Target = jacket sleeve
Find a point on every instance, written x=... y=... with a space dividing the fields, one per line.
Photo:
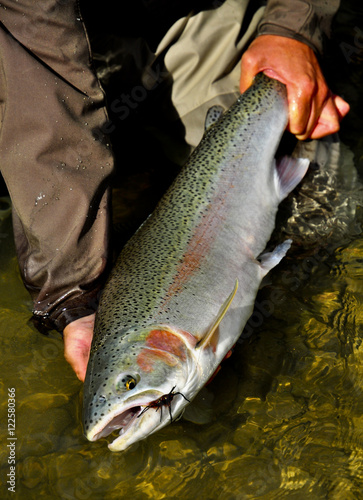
x=306 y=21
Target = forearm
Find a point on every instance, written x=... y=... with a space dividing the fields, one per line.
x=306 y=21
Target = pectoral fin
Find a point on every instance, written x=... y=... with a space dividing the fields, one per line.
x=211 y=337
x=289 y=172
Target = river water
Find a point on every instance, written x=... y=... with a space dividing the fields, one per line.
x=285 y=411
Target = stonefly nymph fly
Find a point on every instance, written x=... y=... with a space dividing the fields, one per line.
x=164 y=400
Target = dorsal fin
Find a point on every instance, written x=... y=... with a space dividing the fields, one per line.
x=213 y=115
x=211 y=337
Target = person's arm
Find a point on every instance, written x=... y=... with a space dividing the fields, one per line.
x=307 y=21
x=290 y=36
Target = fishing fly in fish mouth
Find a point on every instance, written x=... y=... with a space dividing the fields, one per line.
x=164 y=400
x=169 y=314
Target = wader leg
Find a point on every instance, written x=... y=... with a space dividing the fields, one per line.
x=54 y=156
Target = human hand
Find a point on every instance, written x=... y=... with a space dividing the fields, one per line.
x=314 y=111
x=77 y=338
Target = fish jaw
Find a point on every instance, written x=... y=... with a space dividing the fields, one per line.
x=149 y=423
x=127 y=419
x=146 y=422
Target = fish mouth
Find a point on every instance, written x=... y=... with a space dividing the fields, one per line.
x=120 y=422
x=122 y=419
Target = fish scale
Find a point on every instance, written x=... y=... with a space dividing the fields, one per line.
x=184 y=285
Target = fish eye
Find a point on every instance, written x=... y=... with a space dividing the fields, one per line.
x=127 y=382
x=130 y=383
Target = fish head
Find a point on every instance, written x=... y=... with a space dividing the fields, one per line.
x=134 y=384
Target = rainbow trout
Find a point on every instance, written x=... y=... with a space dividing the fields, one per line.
x=185 y=284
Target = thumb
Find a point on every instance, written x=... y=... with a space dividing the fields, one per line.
x=245 y=81
x=249 y=69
